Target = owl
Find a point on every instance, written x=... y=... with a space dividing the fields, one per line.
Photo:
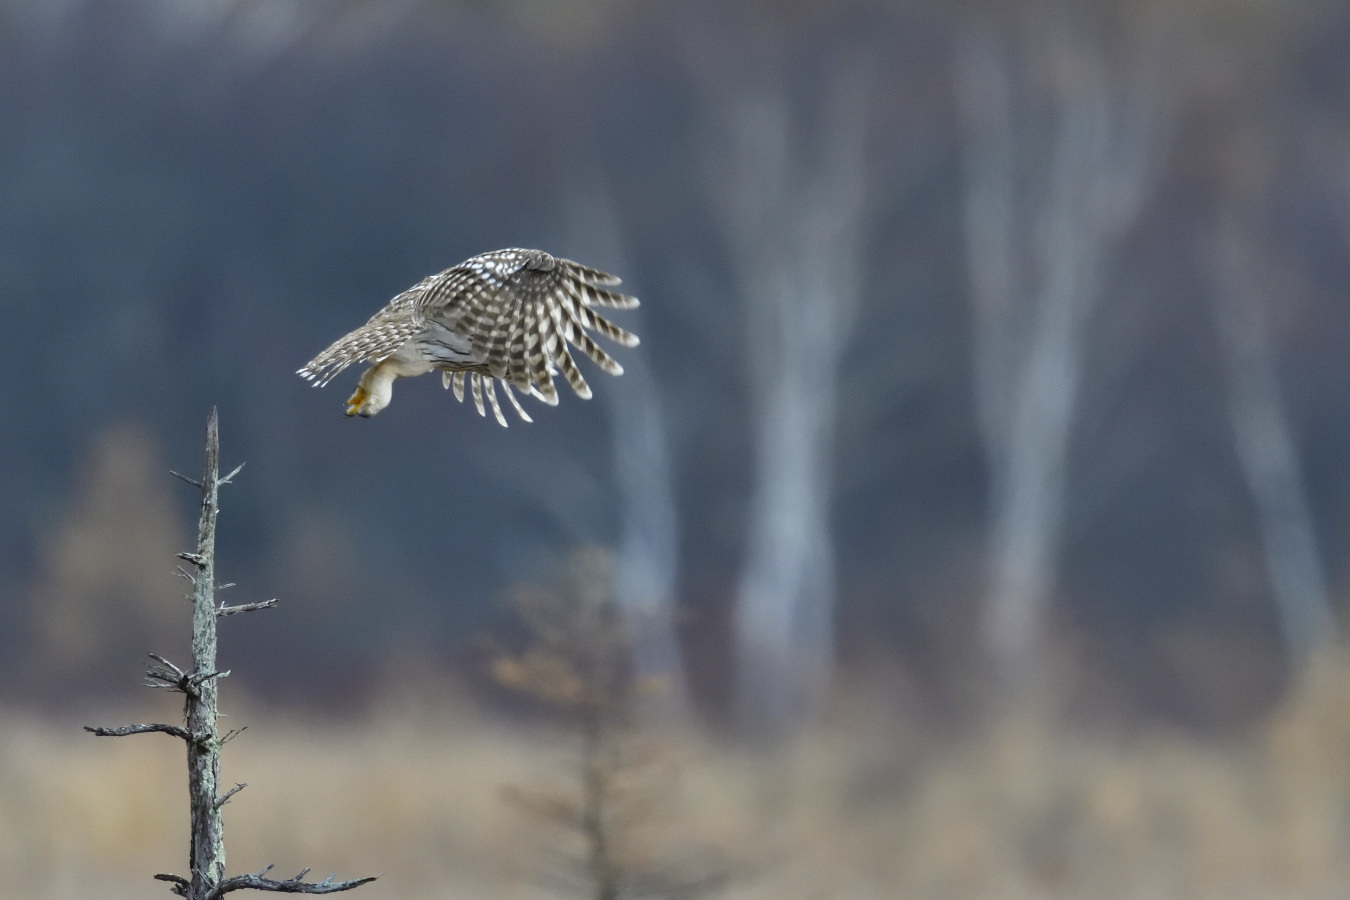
x=507 y=316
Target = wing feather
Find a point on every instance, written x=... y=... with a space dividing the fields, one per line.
x=511 y=395
x=616 y=334
x=563 y=358
x=491 y=391
x=595 y=296
x=597 y=354
x=517 y=362
x=476 y=383
x=549 y=342
x=589 y=274
x=369 y=343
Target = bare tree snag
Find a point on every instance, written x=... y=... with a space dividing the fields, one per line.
x=199 y=686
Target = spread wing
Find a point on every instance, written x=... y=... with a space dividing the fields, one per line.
x=390 y=328
x=521 y=310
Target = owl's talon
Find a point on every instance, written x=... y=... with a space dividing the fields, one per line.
x=357 y=401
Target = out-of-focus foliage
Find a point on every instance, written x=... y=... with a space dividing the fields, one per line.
x=615 y=804
x=863 y=806
x=103 y=583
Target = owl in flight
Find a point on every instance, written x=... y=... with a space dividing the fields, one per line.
x=506 y=316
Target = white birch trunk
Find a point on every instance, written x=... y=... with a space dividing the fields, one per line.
x=1266 y=448
x=647 y=567
x=648 y=562
x=792 y=211
x=1039 y=228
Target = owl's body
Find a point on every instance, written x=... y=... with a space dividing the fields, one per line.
x=506 y=316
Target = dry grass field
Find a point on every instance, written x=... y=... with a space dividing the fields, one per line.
x=863 y=807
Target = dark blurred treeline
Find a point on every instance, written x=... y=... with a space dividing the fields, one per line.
x=196 y=197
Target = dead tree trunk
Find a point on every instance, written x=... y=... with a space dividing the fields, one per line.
x=207 y=854
x=201 y=734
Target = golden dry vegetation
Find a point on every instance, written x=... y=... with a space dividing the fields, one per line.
x=863 y=806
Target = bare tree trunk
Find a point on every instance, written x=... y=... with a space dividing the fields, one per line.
x=1038 y=236
x=792 y=209
x=1266 y=447
x=201 y=734
x=203 y=754
x=596 y=773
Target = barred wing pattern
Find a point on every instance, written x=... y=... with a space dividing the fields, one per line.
x=508 y=316
x=388 y=330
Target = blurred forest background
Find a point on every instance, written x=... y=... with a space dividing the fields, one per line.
x=983 y=465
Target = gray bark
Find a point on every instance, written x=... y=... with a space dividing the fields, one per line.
x=201 y=734
x=207 y=855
